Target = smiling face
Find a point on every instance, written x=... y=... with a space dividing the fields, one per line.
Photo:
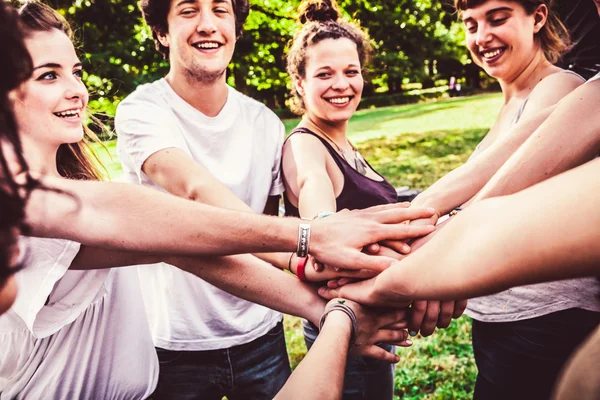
x=501 y=36
x=49 y=107
x=201 y=38
x=332 y=86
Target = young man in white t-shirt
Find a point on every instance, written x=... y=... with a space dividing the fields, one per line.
x=192 y=135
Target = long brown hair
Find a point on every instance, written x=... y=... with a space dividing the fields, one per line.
x=73 y=160
x=554 y=37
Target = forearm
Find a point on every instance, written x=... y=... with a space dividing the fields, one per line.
x=243 y=276
x=461 y=184
x=253 y=280
x=569 y=138
x=532 y=236
x=130 y=217
x=321 y=374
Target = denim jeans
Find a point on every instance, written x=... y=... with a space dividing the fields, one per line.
x=255 y=370
x=365 y=378
x=522 y=359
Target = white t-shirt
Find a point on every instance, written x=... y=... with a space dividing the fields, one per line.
x=75 y=334
x=241 y=147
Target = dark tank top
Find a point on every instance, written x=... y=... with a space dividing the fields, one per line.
x=359 y=191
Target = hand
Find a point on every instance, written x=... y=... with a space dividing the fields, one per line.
x=378 y=326
x=338 y=240
x=327 y=273
x=427 y=315
x=366 y=292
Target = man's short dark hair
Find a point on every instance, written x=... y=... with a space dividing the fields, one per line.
x=155 y=14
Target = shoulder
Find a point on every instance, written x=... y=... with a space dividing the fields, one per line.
x=304 y=145
x=255 y=110
x=144 y=95
x=556 y=85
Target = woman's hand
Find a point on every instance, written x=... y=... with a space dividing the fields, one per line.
x=378 y=326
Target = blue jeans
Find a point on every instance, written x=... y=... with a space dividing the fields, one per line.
x=255 y=370
x=522 y=359
x=365 y=378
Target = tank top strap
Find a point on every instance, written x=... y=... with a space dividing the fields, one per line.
x=343 y=166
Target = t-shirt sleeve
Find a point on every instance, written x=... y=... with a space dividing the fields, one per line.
x=144 y=127
x=277 y=186
x=50 y=296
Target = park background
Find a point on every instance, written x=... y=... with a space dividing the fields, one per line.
x=409 y=128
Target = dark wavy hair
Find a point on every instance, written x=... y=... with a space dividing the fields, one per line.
x=15 y=69
x=321 y=20
x=155 y=14
x=554 y=36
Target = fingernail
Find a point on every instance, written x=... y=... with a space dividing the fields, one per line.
x=409 y=342
x=412 y=333
x=406 y=248
x=396 y=359
x=431 y=209
x=321 y=290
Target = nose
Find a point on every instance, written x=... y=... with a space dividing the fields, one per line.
x=206 y=23
x=75 y=89
x=340 y=82
x=483 y=35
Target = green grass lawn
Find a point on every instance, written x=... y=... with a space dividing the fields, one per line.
x=411 y=145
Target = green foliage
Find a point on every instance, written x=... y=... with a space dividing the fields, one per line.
x=414 y=42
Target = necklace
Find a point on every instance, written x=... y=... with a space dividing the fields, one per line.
x=358 y=162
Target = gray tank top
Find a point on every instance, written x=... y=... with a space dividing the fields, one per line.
x=531 y=301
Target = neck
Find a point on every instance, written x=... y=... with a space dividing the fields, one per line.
x=521 y=85
x=40 y=159
x=207 y=97
x=335 y=131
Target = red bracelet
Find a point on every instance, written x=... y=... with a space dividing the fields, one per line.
x=300 y=269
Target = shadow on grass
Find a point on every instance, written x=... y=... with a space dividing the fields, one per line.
x=420 y=159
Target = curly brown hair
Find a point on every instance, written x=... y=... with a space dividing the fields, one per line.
x=155 y=14
x=321 y=20
x=554 y=36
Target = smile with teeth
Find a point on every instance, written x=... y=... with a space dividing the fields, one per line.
x=207 y=45
x=489 y=54
x=68 y=113
x=339 y=100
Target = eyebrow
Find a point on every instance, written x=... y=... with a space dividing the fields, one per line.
x=182 y=2
x=492 y=11
x=54 y=65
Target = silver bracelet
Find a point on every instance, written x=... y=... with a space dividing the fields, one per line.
x=339 y=305
x=303 y=240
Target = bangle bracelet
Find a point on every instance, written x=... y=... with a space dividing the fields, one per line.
x=339 y=305
x=290 y=262
x=303 y=240
x=323 y=214
x=300 y=269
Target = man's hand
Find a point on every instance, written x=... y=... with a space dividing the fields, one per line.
x=338 y=240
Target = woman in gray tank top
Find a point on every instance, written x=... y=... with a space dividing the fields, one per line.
x=521 y=337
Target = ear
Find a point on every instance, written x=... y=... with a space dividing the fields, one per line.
x=162 y=38
x=540 y=17
x=298 y=83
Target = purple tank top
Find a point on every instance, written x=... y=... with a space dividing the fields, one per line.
x=358 y=192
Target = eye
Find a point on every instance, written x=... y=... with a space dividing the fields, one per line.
x=471 y=28
x=323 y=75
x=498 y=21
x=78 y=73
x=47 y=76
x=186 y=12
x=221 y=10
x=352 y=72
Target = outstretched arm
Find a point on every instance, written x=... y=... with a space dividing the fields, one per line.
x=547 y=232
x=568 y=138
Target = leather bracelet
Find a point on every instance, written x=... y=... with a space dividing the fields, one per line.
x=300 y=269
x=303 y=240
x=339 y=305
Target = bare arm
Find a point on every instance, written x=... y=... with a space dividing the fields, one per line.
x=460 y=185
x=243 y=276
x=569 y=137
x=179 y=174
x=538 y=234
x=129 y=217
